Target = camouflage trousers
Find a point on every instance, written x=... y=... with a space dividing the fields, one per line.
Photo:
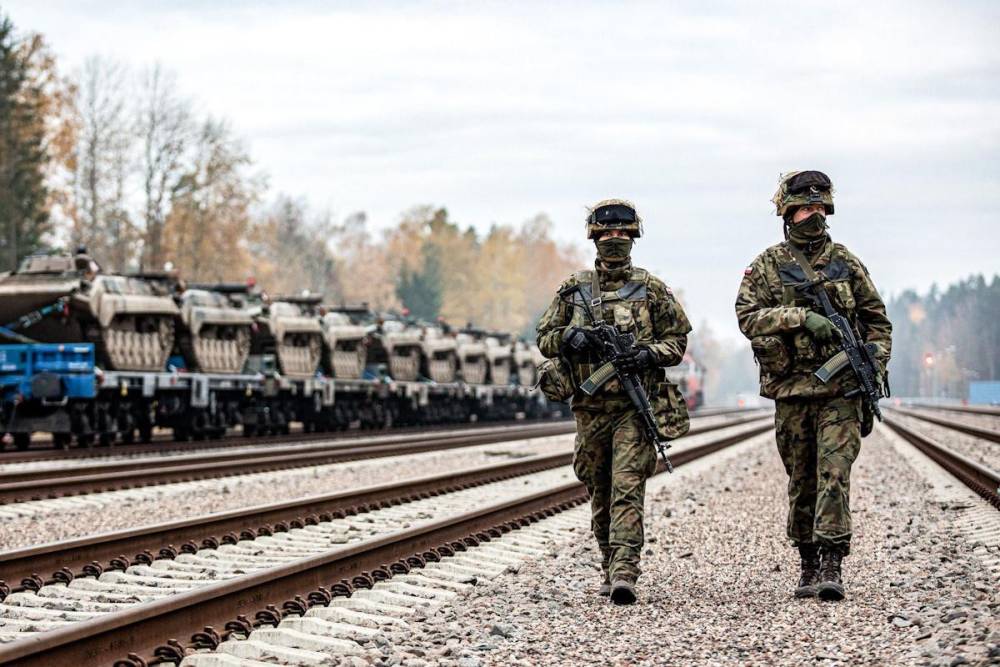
x=613 y=460
x=819 y=439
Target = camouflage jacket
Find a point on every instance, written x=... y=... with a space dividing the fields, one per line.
x=769 y=305
x=632 y=298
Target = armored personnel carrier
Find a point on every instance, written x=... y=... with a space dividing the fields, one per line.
x=345 y=340
x=289 y=331
x=527 y=358
x=398 y=346
x=473 y=365
x=214 y=333
x=440 y=353
x=66 y=299
x=499 y=357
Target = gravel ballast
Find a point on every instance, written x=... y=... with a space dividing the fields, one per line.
x=718 y=580
x=979 y=450
x=62 y=518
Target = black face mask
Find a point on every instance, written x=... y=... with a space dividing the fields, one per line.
x=811 y=229
x=615 y=249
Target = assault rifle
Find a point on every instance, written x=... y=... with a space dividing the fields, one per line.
x=613 y=346
x=860 y=357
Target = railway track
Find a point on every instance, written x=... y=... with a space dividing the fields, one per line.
x=993 y=411
x=165 y=444
x=975 y=431
x=978 y=477
x=294 y=560
x=90 y=477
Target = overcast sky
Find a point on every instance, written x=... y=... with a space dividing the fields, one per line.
x=499 y=111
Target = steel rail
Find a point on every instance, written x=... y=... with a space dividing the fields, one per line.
x=976 y=476
x=264 y=597
x=163 y=443
x=990 y=410
x=975 y=431
x=54 y=483
x=222 y=455
x=85 y=556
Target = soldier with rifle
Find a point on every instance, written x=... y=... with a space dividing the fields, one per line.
x=607 y=335
x=820 y=335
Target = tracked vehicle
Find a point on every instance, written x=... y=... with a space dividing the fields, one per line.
x=345 y=341
x=67 y=299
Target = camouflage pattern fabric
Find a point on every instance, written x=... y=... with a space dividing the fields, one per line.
x=817 y=430
x=818 y=440
x=768 y=305
x=633 y=299
x=614 y=460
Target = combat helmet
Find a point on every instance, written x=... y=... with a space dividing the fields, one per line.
x=802 y=188
x=610 y=214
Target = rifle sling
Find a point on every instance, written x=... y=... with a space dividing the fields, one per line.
x=595 y=298
x=801 y=260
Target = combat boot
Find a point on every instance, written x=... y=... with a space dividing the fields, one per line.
x=809 y=555
x=830 y=587
x=622 y=592
x=605 y=589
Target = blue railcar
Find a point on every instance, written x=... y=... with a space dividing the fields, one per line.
x=40 y=384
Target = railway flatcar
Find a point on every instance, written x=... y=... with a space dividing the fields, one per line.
x=100 y=358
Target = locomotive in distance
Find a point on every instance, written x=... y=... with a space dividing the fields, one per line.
x=201 y=358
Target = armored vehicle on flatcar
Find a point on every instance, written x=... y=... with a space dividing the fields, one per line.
x=67 y=299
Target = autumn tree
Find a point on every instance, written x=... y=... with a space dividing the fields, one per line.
x=207 y=227
x=291 y=251
x=364 y=270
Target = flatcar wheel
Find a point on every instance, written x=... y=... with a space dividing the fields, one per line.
x=105 y=439
x=61 y=440
x=22 y=441
x=85 y=440
x=128 y=436
x=249 y=430
x=180 y=434
x=145 y=434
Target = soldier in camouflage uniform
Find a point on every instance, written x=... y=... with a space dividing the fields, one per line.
x=613 y=458
x=819 y=426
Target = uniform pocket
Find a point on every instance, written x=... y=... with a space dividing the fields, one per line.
x=772 y=355
x=555 y=380
x=670 y=410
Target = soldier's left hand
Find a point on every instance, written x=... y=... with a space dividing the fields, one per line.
x=635 y=360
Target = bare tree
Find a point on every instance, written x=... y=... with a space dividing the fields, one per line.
x=163 y=126
x=103 y=163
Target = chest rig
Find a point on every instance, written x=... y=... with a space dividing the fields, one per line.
x=837 y=273
x=627 y=307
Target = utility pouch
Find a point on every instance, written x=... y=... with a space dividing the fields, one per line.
x=555 y=380
x=670 y=410
x=772 y=355
x=867 y=419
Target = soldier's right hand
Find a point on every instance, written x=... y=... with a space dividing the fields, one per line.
x=577 y=340
x=821 y=328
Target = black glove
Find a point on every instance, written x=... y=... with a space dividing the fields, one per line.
x=577 y=340
x=635 y=360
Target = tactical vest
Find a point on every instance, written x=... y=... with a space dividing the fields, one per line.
x=628 y=308
x=807 y=355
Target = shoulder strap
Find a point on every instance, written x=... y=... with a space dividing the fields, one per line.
x=801 y=260
x=595 y=298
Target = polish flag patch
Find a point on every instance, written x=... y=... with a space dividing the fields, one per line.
x=747 y=271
